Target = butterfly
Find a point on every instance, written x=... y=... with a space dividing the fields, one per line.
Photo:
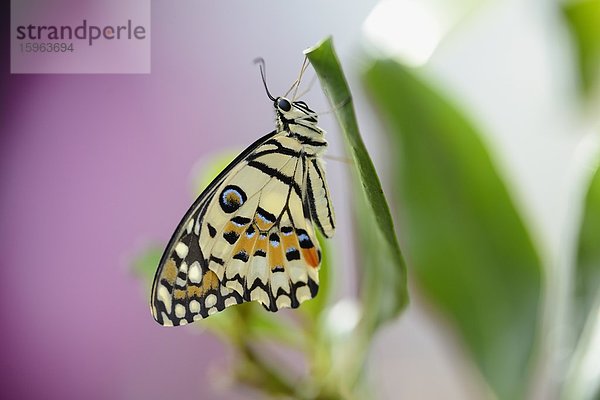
x=250 y=235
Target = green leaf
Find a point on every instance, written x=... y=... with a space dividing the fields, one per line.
x=390 y=296
x=583 y=379
x=587 y=268
x=583 y=18
x=468 y=247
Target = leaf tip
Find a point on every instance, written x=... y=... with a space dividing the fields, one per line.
x=327 y=41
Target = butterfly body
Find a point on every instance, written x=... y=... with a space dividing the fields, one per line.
x=249 y=236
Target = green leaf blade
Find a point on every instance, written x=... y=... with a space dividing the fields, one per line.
x=587 y=267
x=583 y=19
x=469 y=248
x=327 y=66
x=583 y=378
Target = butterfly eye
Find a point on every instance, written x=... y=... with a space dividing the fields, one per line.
x=284 y=105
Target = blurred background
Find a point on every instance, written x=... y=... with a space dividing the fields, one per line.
x=96 y=168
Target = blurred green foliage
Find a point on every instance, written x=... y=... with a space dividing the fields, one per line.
x=583 y=378
x=587 y=273
x=583 y=19
x=467 y=244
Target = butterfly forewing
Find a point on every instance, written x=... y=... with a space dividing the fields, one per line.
x=248 y=237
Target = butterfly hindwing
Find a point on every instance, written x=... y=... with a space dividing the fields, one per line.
x=319 y=199
x=248 y=237
x=183 y=265
x=275 y=260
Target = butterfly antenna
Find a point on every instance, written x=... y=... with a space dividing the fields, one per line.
x=296 y=83
x=263 y=73
x=302 y=70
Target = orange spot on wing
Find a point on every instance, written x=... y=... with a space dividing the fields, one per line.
x=311 y=256
x=246 y=243
x=261 y=243
x=169 y=271
x=262 y=225
x=289 y=241
x=231 y=227
x=275 y=256
x=194 y=291
x=209 y=281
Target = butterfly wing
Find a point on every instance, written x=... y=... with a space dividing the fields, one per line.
x=248 y=237
x=318 y=197
x=170 y=289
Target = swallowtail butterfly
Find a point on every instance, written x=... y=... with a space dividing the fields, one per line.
x=250 y=235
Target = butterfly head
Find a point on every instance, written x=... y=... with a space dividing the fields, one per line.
x=293 y=112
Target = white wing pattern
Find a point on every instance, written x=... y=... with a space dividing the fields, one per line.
x=249 y=236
